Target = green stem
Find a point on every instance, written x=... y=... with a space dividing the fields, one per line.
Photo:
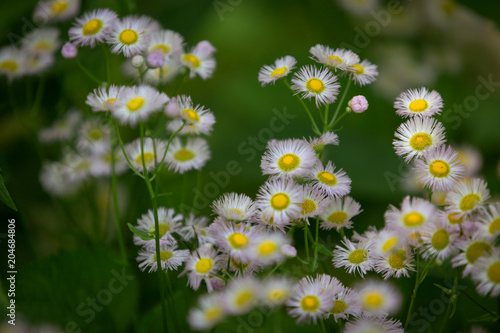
x=448 y=308
x=315 y=127
x=325 y=120
x=117 y=131
x=141 y=74
x=306 y=243
x=271 y=272
x=340 y=118
x=160 y=165
x=179 y=84
x=418 y=281
x=87 y=72
x=322 y=325
x=339 y=105
x=315 y=262
x=106 y=61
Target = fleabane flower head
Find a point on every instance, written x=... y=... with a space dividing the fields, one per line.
x=55 y=10
x=193 y=154
x=438 y=240
x=471 y=249
x=102 y=99
x=288 y=158
x=137 y=103
x=236 y=239
x=93 y=137
x=266 y=248
x=358 y=104
x=418 y=135
x=208 y=312
x=312 y=82
x=169 y=223
x=363 y=73
x=418 y=102
x=467 y=197
x=12 y=62
x=200 y=61
x=129 y=36
x=63 y=129
x=490 y=221
x=276 y=291
x=41 y=41
x=234 y=207
x=203 y=264
x=151 y=153
x=334 y=183
x=198 y=119
x=281 y=68
x=486 y=274
x=241 y=295
x=355 y=257
x=341 y=59
x=93 y=27
x=280 y=201
x=55 y=181
x=374 y=324
x=440 y=169
x=339 y=212
x=318 y=144
x=378 y=298
x=309 y=301
x=165 y=42
x=396 y=263
x=196 y=227
x=313 y=203
x=386 y=241
x=171 y=258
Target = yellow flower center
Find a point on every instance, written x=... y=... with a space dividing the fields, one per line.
x=192 y=115
x=413 y=219
x=494 y=273
x=339 y=306
x=9 y=65
x=357 y=256
x=204 y=265
x=280 y=201
x=476 y=250
x=267 y=248
x=163 y=228
x=335 y=60
x=315 y=85
x=439 y=168
x=236 y=211
x=95 y=134
x=310 y=303
x=109 y=102
x=358 y=69
x=288 y=162
x=42 y=45
x=212 y=314
x=244 y=298
x=92 y=27
x=469 y=201
x=59 y=6
x=148 y=158
x=135 y=104
x=160 y=47
x=453 y=219
x=308 y=207
x=419 y=105
x=165 y=255
x=389 y=244
x=237 y=240
x=397 y=259
x=183 y=155
x=494 y=226
x=373 y=299
x=128 y=37
x=192 y=59
x=440 y=239
x=327 y=178
x=278 y=295
x=420 y=141
x=279 y=71
x=338 y=217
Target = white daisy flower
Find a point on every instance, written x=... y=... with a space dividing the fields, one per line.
x=280 y=200
x=363 y=73
x=236 y=239
x=94 y=137
x=167 y=42
x=309 y=301
x=136 y=104
x=202 y=265
x=153 y=152
x=438 y=240
x=35 y=64
x=281 y=68
x=418 y=135
x=171 y=258
x=467 y=197
x=63 y=129
x=471 y=249
x=266 y=248
x=387 y=241
x=339 y=212
x=238 y=267
x=41 y=41
x=415 y=213
x=490 y=221
x=318 y=83
x=76 y=166
x=129 y=36
x=373 y=325
x=330 y=283
x=194 y=154
x=471 y=159
x=208 y=313
x=234 y=207
x=102 y=163
x=335 y=59
x=55 y=10
x=200 y=60
x=345 y=304
x=196 y=228
x=395 y=264
x=440 y=169
x=418 y=102
x=198 y=119
x=318 y=144
x=93 y=27
x=276 y=291
x=12 y=62
x=164 y=74
x=486 y=274
x=313 y=203
x=334 y=183
x=241 y=295
x=102 y=99
x=355 y=257
x=55 y=181
x=169 y=223
x=378 y=298
x=287 y=158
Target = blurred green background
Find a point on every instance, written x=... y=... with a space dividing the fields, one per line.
x=448 y=52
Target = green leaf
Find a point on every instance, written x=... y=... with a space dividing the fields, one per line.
x=446 y=290
x=144 y=235
x=322 y=249
x=487 y=317
x=4 y=194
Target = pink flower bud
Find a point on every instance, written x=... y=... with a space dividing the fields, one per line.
x=69 y=51
x=155 y=59
x=358 y=104
x=289 y=251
